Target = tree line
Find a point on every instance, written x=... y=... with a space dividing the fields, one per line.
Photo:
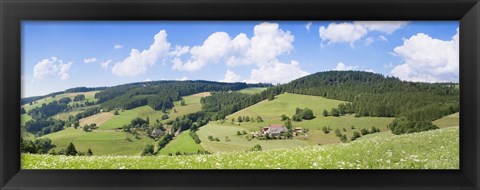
x=160 y=95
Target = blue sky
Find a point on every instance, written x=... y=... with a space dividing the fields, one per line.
x=60 y=55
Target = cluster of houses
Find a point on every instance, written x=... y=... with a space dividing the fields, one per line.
x=275 y=130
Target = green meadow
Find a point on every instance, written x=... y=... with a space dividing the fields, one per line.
x=439 y=150
x=89 y=96
x=252 y=90
x=101 y=142
x=238 y=142
x=183 y=143
x=448 y=121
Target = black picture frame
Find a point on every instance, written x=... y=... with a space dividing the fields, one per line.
x=12 y=12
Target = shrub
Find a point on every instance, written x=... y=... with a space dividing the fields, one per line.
x=147 y=150
x=325 y=130
x=89 y=152
x=257 y=147
x=210 y=138
x=338 y=133
x=402 y=125
x=355 y=136
x=343 y=138
x=364 y=131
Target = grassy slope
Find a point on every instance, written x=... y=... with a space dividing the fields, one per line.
x=438 y=149
x=270 y=111
x=24 y=118
x=252 y=90
x=192 y=105
x=106 y=141
x=117 y=121
x=98 y=119
x=101 y=142
x=183 y=143
x=448 y=121
x=90 y=96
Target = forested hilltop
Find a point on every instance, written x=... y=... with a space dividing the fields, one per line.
x=414 y=104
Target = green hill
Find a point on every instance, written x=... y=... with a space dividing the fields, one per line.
x=101 y=142
x=270 y=111
x=439 y=150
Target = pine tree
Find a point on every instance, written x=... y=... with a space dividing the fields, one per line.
x=89 y=152
x=71 y=151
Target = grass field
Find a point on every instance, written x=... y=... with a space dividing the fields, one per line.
x=182 y=143
x=100 y=142
x=448 y=121
x=98 y=119
x=252 y=90
x=439 y=150
x=90 y=96
x=24 y=118
x=237 y=142
x=192 y=105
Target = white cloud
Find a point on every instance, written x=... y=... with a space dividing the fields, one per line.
x=350 y=32
x=230 y=76
x=369 y=41
x=147 y=80
x=262 y=50
x=182 y=78
x=138 y=63
x=105 y=64
x=89 y=60
x=342 y=67
x=387 y=27
x=383 y=38
x=342 y=33
x=426 y=59
x=309 y=24
x=117 y=46
x=214 y=48
x=52 y=67
x=277 y=73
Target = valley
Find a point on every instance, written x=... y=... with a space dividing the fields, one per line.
x=202 y=118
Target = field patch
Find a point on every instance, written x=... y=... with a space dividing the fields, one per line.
x=98 y=119
x=182 y=143
x=24 y=118
x=192 y=104
x=100 y=142
x=252 y=90
x=448 y=121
